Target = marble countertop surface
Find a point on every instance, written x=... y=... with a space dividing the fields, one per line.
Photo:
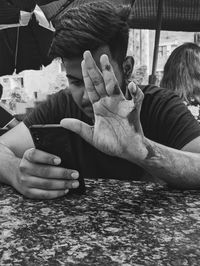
x=114 y=223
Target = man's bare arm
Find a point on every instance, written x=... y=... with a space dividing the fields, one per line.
x=178 y=168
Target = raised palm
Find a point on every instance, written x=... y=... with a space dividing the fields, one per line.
x=117 y=124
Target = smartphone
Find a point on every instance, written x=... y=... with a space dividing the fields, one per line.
x=7 y=119
x=59 y=141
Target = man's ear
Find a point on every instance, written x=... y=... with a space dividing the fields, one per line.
x=128 y=66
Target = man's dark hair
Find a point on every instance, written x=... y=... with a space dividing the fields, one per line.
x=89 y=26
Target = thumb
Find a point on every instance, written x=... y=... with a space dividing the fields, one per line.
x=136 y=94
x=79 y=127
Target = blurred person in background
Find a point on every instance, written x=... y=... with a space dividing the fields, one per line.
x=182 y=75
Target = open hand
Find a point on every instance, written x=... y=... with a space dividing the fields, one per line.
x=117 y=129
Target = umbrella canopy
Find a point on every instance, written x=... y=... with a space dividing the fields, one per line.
x=177 y=15
x=24 y=47
x=27 y=47
x=10 y=9
x=8 y=13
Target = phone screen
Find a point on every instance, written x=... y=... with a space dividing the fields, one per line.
x=57 y=140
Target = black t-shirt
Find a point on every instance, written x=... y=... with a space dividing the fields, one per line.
x=164 y=118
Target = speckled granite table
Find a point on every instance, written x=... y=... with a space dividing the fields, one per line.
x=115 y=223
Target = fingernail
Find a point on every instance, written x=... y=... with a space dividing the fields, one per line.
x=57 y=160
x=105 y=57
x=75 y=184
x=75 y=175
x=86 y=52
x=66 y=191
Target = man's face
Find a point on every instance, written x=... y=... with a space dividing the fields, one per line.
x=76 y=83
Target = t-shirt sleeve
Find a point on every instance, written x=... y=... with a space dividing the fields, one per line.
x=51 y=111
x=167 y=120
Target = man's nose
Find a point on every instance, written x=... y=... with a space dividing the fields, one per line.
x=85 y=95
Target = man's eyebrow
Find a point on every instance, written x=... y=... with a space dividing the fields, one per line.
x=72 y=77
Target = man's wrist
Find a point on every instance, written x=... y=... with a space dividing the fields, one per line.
x=139 y=151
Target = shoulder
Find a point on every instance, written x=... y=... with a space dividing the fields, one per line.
x=57 y=103
x=166 y=119
x=57 y=106
x=59 y=97
x=60 y=102
x=158 y=97
x=159 y=92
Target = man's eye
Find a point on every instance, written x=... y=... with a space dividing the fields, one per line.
x=76 y=82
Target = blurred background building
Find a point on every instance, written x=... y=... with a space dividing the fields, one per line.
x=141 y=46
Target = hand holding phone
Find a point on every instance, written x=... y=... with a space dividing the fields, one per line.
x=58 y=141
x=40 y=176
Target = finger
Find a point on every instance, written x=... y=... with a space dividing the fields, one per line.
x=48 y=184
x=136 y=93
x=38 y=156
x=134 y=116
x=79 y=127
x=47 y=171
x=111 y=83
x=92 y=93
x=94 y=74
x=35 y=193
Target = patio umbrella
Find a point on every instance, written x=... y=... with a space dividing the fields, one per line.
x=27 y=47
x=53 y=9
x=24 y=47
x=177 y=15
x=10 y=10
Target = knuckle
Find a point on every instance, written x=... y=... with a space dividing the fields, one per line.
x=45 y=171
x=28 y=194
x=68 y=184
x=29 y=154
x=96 y=81
x=110 y=83
x=47 y=185
x=21 y=180
x=65 y=173
x=90 y=88
x=23 y=166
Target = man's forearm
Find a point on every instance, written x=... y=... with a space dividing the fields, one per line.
x=9 y=166
x=177 y=168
